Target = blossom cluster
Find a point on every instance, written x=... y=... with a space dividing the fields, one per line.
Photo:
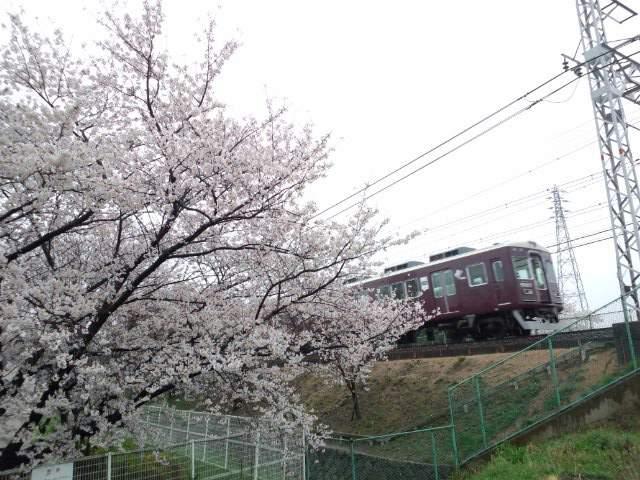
x=150 y=243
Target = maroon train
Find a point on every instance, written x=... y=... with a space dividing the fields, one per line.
x=506 y=289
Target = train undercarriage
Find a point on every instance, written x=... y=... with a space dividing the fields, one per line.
x=521 y=322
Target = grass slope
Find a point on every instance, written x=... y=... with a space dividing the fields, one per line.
x=599 y=454
x=401 y=395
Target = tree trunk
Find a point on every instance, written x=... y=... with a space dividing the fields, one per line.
x=356 y=414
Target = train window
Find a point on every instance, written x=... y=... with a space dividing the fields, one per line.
x=522 y=269
x=498 y=272
x=449 y=283
x=551 y=274
x=384 y=291
x=412 y=288
x=364 y=296
x=424 y=283
x=477 y=274
x=398 y=290
x=436 y=280
x=538 y=272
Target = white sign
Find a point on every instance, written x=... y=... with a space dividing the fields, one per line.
x=63 y=471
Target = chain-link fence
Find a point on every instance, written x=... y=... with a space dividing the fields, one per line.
x=235 y=457
x=280 y=453
x=595 y=320
x=189 y=445
x=426 y=454
x=538 y=382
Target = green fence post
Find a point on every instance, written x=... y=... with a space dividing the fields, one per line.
x=554 y=373
x=305 y=463
x=353 y=463
x=454 y=442
x=434 y=455
x=476 y=383
x=193 y=460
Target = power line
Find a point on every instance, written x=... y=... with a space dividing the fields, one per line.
x=568 y=186
x=506 y=181
x=520 y=228
x=581 y=237
x=449 y=152
x=441 y=144
x=578 y=212
x=592 y=242
x=580 y=183
x=450 y=139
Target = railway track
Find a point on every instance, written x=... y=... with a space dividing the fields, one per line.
x=510 y=344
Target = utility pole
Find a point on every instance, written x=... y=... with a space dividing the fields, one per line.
x=612 y=77
x=569 y=279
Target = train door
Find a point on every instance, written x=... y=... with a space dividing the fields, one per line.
x=497 y=281
x=540 y=278
x=444 y=291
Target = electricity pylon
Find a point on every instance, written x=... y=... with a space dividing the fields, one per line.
x=612 y=77
x=569 y=279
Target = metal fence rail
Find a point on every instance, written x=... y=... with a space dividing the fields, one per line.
x=278 y=454
x=188 y=445
x=538 y=382
x=425 y=454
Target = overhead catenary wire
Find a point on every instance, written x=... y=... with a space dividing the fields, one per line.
x=607 y=230
x=447 y=153
x=571 y=185
x=504 y=182
x=588 y=243
x=488 y=218
x=568 y=186
x=450 y=139
x=517 y=229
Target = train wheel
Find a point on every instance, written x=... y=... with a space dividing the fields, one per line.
x=456 y=336
x=479 y=334
x=500 y=332
x=409 y=337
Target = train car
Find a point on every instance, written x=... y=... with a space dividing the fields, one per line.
x=506 y=289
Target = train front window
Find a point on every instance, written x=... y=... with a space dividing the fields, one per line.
x=538 y=272
x=522 y=268
x=424 y=283
x=412 y=288
x=436 y=281
x=398 y=290
x=551 y=273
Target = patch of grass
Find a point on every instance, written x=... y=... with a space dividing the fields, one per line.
x=607 y=379
x=502 y=408
x=566 y=389
x=599 y=454
x=457 y=364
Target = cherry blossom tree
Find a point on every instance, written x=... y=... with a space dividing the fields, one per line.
x=151 y=243
x=367 y=328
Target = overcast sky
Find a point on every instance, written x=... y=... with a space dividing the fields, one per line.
x=389 y=80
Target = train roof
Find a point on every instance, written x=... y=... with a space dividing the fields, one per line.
x=528 y=244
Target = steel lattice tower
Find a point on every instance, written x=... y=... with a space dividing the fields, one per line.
x=612 y=77
x=569 y=279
